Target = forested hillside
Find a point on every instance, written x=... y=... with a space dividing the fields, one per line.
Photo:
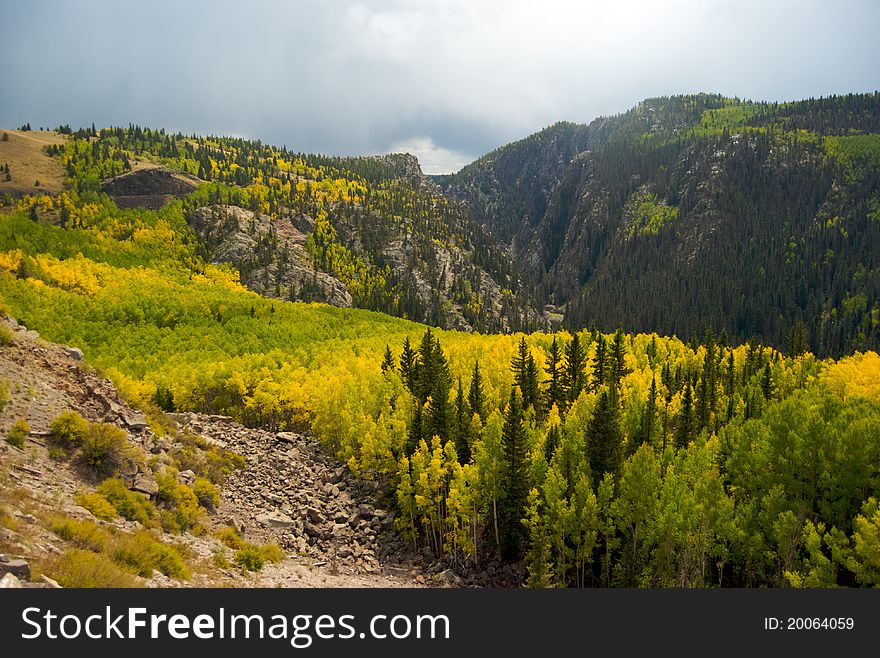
x=696 y=212
x=369 y=232
x=584 y=459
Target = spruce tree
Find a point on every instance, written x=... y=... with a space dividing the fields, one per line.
x=476 y=399
x=512 y=504
x=617 y=360
x=461 y=426
x=685 y=431
x=599 y=363
x=388 y=364
x=407 y=365
x=554 y=393
x=573 y=369
x=604 y=437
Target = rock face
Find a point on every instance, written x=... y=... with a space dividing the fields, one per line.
x=293 y=493
x=270 y=254
x=17 y=567
x=148 y=188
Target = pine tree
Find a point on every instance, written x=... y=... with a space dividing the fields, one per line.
x=604 y=437
x=573 y=369
x=388 y=364
x=599 y=363
x=407 y=365
x=554 y=393
x=798 y=339
x=617 y=359
x=685 y=431
x=512 y=504
x=476 y=399
x=461 y=426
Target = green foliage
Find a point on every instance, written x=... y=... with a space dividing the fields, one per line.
x=98 y=505
x=180 y=502
x=5 y=336
x=69 y=430
x=104 y=448
x=207 y=494
x=131 y=505
x=230 y=538
x=4 y=393
x=142 y=553
x=79 y=568
x=83 y=534
x=252 y=557
x=18 y=433
x=649 y=215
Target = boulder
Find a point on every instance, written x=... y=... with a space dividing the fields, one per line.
x=74 y=353
x=145 y=483
x=136 y=421
x=275 y=520
x=287 y=437
x=186 y=477
x=16 y=567
x=10 y=582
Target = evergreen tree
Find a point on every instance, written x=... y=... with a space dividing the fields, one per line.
x=512 y=503
x=604 y=437
x=685 y=431
x=554 y=392
x=573 y=369
x=648 y=420
x=600 y=362
x=476 y=398
x=617 y=360
x=767 y=387
x=407 y=365
x=388 y=364
x=461 y=428
x=798 y=339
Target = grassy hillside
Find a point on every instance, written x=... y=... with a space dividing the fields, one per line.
x=632 y=460
x=23 y=152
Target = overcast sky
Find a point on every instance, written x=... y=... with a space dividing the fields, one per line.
x=446 y=80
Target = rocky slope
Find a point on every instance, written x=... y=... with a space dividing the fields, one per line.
x=333 y=530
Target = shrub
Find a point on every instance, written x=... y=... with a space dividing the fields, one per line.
x=209 y=461
x=18 y=433
x=85 y=534
x=207 y=494
x=142 y=553
x=180 y=501
x=69 y=429
x=4 y=394
x=253 y=557
x=230 y=538
x=131 y=505
x=272 y=552
x=79 y=568
x=5 y=335
x=97 y=505
x=249 y=557
x=104 y=448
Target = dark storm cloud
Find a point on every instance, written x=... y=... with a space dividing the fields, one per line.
x=448 y=79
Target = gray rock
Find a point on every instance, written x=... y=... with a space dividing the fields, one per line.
x=275 y=520
x=314 y=515
x=186 y=477
x=49 y=583
x=287 y=437
x=136 y=421
x=145 y=483
x=74 y=353
x=16 y=567
x=9 y=581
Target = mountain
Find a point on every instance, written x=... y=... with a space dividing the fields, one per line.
x=693 y=212
x=369 y=232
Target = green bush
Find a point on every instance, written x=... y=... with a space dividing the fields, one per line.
x=104 y=448
x=18 y=433
x=207 y=494
x=69 y=429
x=85 y=534
x=131 y=505
x=249 y=557
x=180 y=501
x=79 y=568
x=97 y=505
x=4 y=394
x=230 y=538
x=253 y=557
x=142 y=553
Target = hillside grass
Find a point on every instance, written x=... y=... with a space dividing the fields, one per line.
x=28 y=162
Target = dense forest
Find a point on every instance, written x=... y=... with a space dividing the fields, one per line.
x=695 y=212
x=376 y=224
x=592 y=458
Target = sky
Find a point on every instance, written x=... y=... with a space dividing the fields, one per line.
x=446 y=80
